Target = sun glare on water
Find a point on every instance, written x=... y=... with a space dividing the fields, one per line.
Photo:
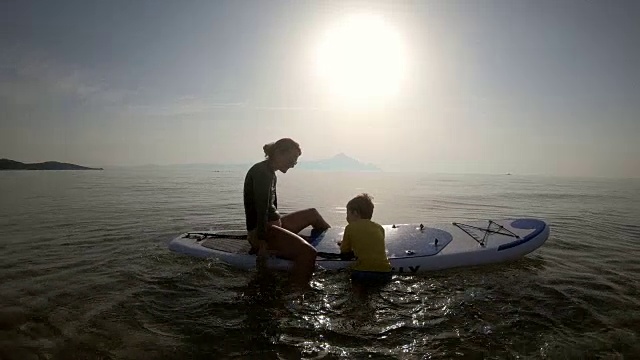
x=361 y=60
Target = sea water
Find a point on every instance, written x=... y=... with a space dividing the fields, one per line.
x=85 y=271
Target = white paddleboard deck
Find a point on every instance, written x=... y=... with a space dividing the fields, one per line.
x=411 y=248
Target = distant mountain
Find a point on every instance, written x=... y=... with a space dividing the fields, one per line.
x=340 y=162
x=6 y=164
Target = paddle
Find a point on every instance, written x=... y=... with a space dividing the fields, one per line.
x=321 y=254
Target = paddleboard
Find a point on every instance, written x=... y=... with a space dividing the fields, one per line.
x=411 y=248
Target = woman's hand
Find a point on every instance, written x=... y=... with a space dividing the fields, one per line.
x=262 y=248
x=277 y=223
x=263 y=253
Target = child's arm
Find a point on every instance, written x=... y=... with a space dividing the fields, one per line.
x=346 y=252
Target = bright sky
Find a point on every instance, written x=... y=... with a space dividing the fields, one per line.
x=526 y=87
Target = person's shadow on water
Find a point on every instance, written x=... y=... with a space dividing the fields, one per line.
x=264 y=301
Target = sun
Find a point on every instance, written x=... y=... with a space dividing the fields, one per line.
x=361 y=60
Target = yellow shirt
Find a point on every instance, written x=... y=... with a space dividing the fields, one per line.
x=366 y=239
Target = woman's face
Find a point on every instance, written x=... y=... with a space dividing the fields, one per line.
x=287 y=160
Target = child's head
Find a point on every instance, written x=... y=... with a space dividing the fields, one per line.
x=360 y=207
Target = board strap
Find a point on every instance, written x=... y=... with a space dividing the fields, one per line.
x=466 y=228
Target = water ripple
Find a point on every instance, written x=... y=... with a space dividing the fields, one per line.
x=93 y=278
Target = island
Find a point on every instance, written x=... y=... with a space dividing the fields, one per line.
x=339 y=162
x=6 y=164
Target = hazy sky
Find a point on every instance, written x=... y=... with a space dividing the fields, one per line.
x=527 y=87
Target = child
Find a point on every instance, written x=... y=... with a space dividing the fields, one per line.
x=364 y=239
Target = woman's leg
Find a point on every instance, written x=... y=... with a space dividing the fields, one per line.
x=296 y=221
x=288 y=245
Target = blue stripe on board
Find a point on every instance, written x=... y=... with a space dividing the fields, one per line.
x=536 y=224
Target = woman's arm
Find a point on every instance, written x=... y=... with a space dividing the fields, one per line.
x=262 y=193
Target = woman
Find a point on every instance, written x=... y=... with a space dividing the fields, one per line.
x=269 y=232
